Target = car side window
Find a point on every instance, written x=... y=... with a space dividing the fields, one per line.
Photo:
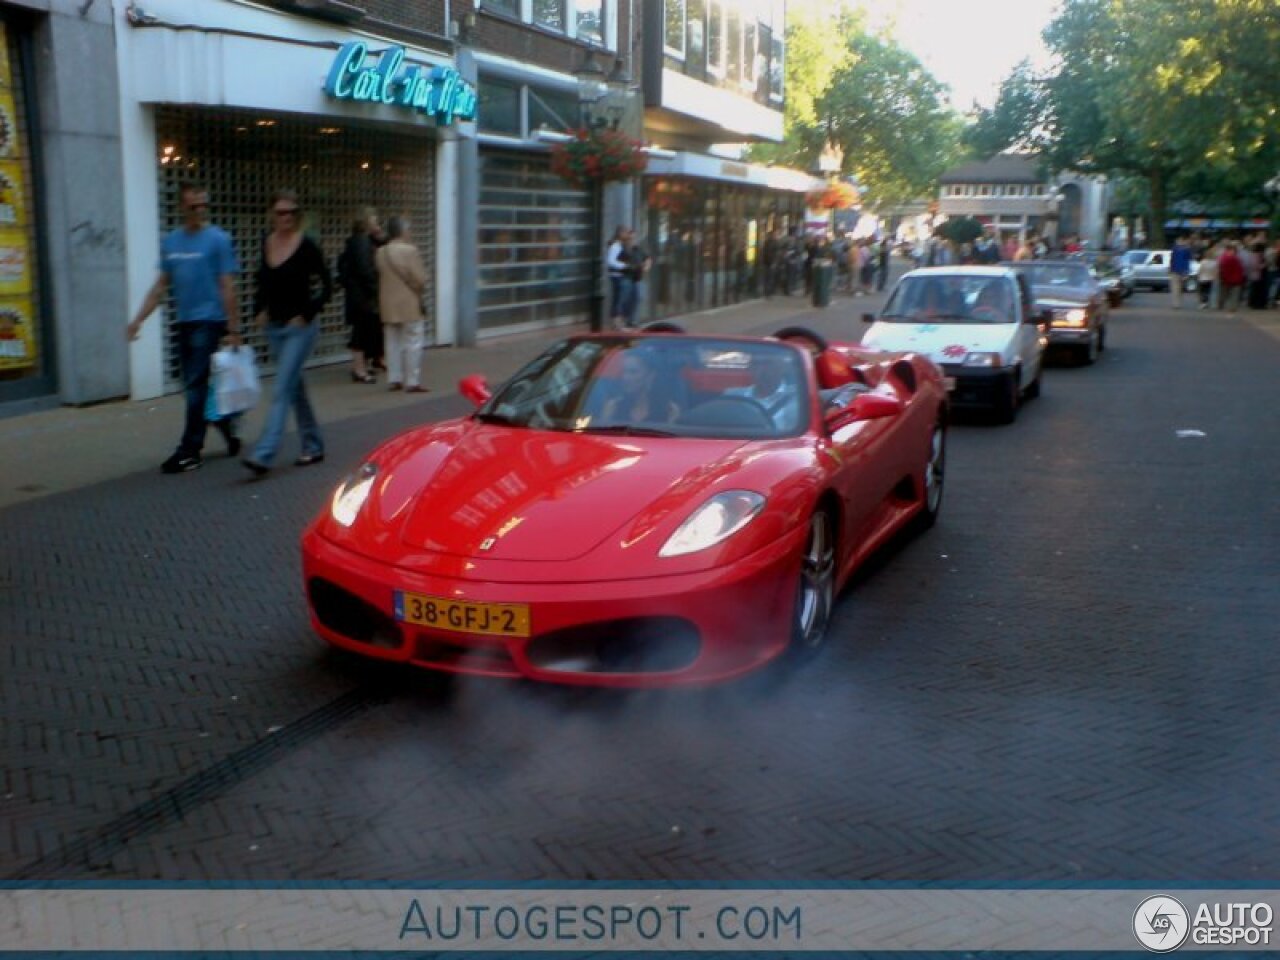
x=1157 y=260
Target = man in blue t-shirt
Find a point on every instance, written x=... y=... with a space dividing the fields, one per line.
x=198 y=263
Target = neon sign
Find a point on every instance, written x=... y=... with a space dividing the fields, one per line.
x=438 y=92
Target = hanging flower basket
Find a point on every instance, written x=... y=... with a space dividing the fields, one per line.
x=835 y=196
x=598 y=156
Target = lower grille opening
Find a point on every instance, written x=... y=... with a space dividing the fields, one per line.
x=343 y=612
x=636 y=645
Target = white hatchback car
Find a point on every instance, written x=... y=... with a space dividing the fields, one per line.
x=978 y=324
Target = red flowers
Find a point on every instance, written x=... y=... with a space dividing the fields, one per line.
x=598 y=154
x=836 y=196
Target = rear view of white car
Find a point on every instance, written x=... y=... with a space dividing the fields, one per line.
x=976 y=323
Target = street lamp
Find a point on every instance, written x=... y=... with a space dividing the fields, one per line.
x=604 y=101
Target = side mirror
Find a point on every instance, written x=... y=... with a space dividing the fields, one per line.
x=865 y=406
x=475 y=388
x=868 y=318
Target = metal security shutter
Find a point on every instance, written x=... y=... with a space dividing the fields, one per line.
x=536 y=243
x=242 y=157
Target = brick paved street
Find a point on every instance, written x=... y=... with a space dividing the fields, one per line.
x=1073 y=677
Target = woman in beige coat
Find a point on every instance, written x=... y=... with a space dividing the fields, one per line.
x=402 y=279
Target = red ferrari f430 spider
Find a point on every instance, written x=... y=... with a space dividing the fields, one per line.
x=632 y=509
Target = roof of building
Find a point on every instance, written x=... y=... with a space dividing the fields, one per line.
x=1002 y=168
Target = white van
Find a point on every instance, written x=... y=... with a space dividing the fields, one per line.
x=977 y=323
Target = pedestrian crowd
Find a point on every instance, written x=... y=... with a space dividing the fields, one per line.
x=383 y=278
x=1230 y=272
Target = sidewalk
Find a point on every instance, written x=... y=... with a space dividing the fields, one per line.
x=67 y=448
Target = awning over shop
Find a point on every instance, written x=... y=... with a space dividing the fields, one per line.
x=1210 y=223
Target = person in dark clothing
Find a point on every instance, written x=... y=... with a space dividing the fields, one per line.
x=359 y=280
x=293 y=287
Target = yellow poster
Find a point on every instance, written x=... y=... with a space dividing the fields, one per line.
x=15 y=263
x=10 y=147
x=13 y=197
x=17 y=333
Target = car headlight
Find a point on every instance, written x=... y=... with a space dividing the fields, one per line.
x=716 y=520
x=1071 y=318
x=982 y=359
x=352 y=493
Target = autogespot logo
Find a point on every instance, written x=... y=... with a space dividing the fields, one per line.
x=1161 y=923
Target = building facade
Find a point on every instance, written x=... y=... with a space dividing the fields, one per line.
x=537 y=239
x=334 y=100
x=1016 y=196
x=713 y=73
x=62 y=235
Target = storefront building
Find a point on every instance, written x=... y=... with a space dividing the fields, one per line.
x=61 y=242
x=707 y=221
x=537 y=236
x=713 y=74
x=245 y=101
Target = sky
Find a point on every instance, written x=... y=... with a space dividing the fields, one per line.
x=970 y=45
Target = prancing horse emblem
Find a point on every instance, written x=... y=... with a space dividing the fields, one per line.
x=488 y=542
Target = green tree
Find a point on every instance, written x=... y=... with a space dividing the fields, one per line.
x=1012 y=121
x=868 y=96
x=960 y=230
x=1183 y=94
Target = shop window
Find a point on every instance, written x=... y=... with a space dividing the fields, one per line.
x=553 y=109
x=549 y=14
x=589 y=21
x=677 y=21
x=984 y=191
x=499 y=107
x=777 y=68
x=715 y=37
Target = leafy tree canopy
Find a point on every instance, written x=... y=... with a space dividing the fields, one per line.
x=870 y=97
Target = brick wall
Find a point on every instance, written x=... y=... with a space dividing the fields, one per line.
x=426 y=16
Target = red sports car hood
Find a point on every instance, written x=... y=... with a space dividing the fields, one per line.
x=510 y=494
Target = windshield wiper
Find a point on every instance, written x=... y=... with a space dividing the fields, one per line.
x=629 y=430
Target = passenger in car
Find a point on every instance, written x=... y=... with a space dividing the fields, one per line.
x=641 y=401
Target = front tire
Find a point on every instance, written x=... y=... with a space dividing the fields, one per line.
x=815 y=592
x=934 y=474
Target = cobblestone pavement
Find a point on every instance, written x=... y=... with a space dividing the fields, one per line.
x=1073 y=677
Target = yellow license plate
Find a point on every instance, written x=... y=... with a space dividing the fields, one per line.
x=949 y=383
x=463 y=616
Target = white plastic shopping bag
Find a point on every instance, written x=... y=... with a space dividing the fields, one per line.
x=235 y=380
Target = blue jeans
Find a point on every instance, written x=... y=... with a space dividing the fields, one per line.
x=197 y=343
x=290 y=346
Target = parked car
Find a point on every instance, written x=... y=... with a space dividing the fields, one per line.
x=1113 y=274
x=1079 y=307
x=631 y=510
x=1151 y=269
x=978 y=323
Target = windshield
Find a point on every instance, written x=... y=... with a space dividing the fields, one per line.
x=659 y=386
x=951 y=298
x=1136 y=257
x=1054 y=274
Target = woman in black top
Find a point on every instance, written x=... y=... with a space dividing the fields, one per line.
x=293 y=286
x=359 y=279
